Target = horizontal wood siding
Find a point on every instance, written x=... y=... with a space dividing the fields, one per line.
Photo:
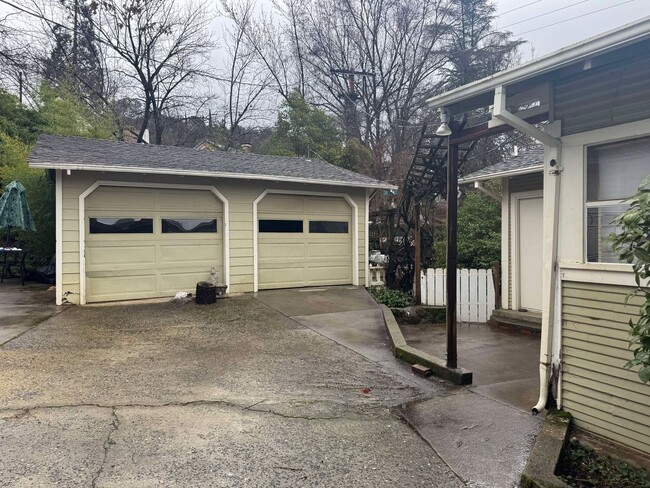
x=240 y=195
x=604 y=397
x=529 y=182
x=601 y=96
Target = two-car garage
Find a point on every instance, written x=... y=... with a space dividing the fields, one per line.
x=152 y=242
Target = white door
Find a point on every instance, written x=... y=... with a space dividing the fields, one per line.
x=529 y=252
x=304 y=241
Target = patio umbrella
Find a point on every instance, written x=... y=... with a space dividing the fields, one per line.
x=14 y=210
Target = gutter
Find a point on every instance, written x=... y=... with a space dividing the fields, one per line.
x=203 y=174
x=616 y=38
x=503 y=174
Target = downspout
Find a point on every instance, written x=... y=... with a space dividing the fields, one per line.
x=479 y=186
x=552 y=173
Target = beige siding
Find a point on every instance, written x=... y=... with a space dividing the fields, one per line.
x=603 y=396
x=240 y=195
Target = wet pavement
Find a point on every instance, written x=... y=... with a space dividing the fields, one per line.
x=23 y=307
x=235 y=394
x=483 y=433
x=504 y=363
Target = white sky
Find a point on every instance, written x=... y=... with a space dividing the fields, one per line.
x=552 y=38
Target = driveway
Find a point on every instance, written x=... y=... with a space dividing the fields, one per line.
x=235 y=394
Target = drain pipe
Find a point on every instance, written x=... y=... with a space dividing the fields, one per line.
x=552 y=172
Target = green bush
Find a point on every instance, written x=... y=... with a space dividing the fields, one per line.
x=632 y=245
x=391 y=298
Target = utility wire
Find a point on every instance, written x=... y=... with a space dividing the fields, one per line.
x=573 y=18
x=545 y=14
x=519 y=8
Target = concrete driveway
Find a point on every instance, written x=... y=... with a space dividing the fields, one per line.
x=236 y=394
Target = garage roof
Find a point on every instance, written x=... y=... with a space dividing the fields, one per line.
x=82 y=154
x=530 y=161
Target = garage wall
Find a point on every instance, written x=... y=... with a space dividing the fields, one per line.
x=240 y=195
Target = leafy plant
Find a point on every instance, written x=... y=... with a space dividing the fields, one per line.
x=391 y=298
x=581 y=467
x=632 y=245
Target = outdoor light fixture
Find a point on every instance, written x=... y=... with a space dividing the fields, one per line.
x=443 y=130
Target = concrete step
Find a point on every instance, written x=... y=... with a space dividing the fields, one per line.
x=525 y=322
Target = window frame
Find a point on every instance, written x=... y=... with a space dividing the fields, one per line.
x=91 y=233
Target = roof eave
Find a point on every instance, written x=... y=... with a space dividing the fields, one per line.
x=236 y=176
x=502 y=174
x=607 y=41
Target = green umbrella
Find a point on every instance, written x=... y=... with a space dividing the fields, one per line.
x=14 y=211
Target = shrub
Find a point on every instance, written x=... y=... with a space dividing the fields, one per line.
x=391 y=298
x=632 y=245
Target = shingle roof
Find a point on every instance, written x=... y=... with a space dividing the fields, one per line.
x=78 y=153
x=531 y=161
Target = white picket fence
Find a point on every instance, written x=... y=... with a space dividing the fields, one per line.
x=475 y=292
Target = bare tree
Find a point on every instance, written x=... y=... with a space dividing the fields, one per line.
x=247 y=80
x=162 y=44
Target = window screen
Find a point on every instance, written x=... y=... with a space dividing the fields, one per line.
x=280 y=226
x=327 y=227
x=176 y=226
x=108 y=225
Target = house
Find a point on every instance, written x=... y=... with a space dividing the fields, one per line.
x=141 y=221
x=589 y=105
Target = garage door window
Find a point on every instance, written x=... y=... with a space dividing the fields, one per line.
x=177 y=226
x=282 y=226
x=107 y=225
x=327 y=227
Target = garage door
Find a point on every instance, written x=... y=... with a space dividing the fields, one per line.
x=146 y=242
x=304 y=241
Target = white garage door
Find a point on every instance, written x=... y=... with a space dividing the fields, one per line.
x=147 y=242
x=304 y=241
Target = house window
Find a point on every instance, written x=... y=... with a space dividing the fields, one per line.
x=176 y=226
x=283 y=226
x=614 y=171
x=107 y=225
x=327 y=227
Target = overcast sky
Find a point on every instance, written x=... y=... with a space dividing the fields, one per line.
x=581 y=20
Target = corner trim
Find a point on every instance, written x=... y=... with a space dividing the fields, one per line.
x=58 y=197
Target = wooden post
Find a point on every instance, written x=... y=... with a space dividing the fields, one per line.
x=496 y=268
x=418 y=255
x=452 y=251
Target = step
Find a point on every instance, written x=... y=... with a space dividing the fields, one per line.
x=525 y=322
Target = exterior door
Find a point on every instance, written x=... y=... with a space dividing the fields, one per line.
x=529 y=252
x=304 y=241
x=150 y=242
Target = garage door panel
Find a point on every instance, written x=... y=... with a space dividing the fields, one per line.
x=190 y=252
x=281 y=251
x=114 y=255
x=120 y=287
x=174 y=200
x=330 y=250
x=326 y=206
x=282 y=278
x=329 y=274
x=282 y=204
x=121 y=198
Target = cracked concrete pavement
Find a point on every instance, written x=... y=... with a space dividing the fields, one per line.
x=237 y=394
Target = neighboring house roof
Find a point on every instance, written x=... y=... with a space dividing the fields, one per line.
x=81 y=154
x=613 y=39
x=531 y=161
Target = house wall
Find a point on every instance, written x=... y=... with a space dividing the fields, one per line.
x=603 y=396
x=240 y=195
x=618 y=92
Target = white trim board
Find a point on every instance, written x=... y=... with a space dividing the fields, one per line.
x=208 y=174
x=355 y=228
x=58 y=198
x=132 y=184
